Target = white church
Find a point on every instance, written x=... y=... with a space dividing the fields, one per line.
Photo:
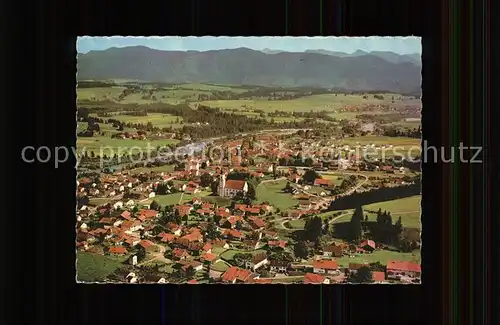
x=229 y=188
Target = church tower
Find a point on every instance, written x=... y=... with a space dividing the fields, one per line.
x=222 y=185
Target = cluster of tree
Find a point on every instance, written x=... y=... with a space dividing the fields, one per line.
x=136 y=113
x=405 y=132
x=378 y=195
x=127 y=91
x=95 y=84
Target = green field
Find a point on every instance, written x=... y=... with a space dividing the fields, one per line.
x=408 y=208
x=121 y=147
x=297 y=223
x=324 y=102
x=382 y=256
x=99 y=93
x=228 y=255
x=220 y=201
x=157 y=119
x=272 y=192
x=220 y=266
x=93 y=267
x=172 y=199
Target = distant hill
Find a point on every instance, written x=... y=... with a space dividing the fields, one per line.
x=388 y=56
x=362 y=71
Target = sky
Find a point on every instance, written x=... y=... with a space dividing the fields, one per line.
x=400 y=45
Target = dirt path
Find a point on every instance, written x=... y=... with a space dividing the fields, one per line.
x=157 y=256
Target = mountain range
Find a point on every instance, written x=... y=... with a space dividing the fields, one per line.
x=359 y=71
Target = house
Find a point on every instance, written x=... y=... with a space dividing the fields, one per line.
x=304 y=204
x=333 y=251
x=325 y=266
x=378 y=277
x=311 y=278
x=126 y=215
x=257 y=261
x=235 y=274
x=256 y=223
x=321 y=182
x=231 y=187
x=277 y=244
x=180 y=254
x=219 y=243
x=368 y=245
x=147 y=245
x=278 y=266
x=117 y=250
x=234 y=234
x=354 y=267
x=294 y=178
x=195 y=265
x=403 y=269
x=208 y=257
x=387 y=169
x=118 y=205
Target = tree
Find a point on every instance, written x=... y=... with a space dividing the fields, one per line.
x=300 y=250
x=251 y=192
x=399 y=225
x=309 y=176
x=154 y=205
x=356 y=229
x=363 y=275
x=287 y=188
x=377 y=266
x=214 y=186
x=313 y=228
x=206 y=180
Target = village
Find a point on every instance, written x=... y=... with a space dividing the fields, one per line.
x=266 y=212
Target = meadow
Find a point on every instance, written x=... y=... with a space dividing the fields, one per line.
x=324 y=102
x=409 y=209
x=99 y=93
x=382 y=256
x=121 y=147
x=94 y=267
x=272 y=192
x=157 y=119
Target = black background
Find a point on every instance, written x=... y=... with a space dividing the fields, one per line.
x=39 y=84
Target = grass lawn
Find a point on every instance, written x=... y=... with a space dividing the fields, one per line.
x=218 y=250
x=169 y=199
x=271 y=192
x=93 y=267
x=220 y=266
x=228 y=255
x=221 y=201
x=297 y=224
x=381 y=256
x=173 y=199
